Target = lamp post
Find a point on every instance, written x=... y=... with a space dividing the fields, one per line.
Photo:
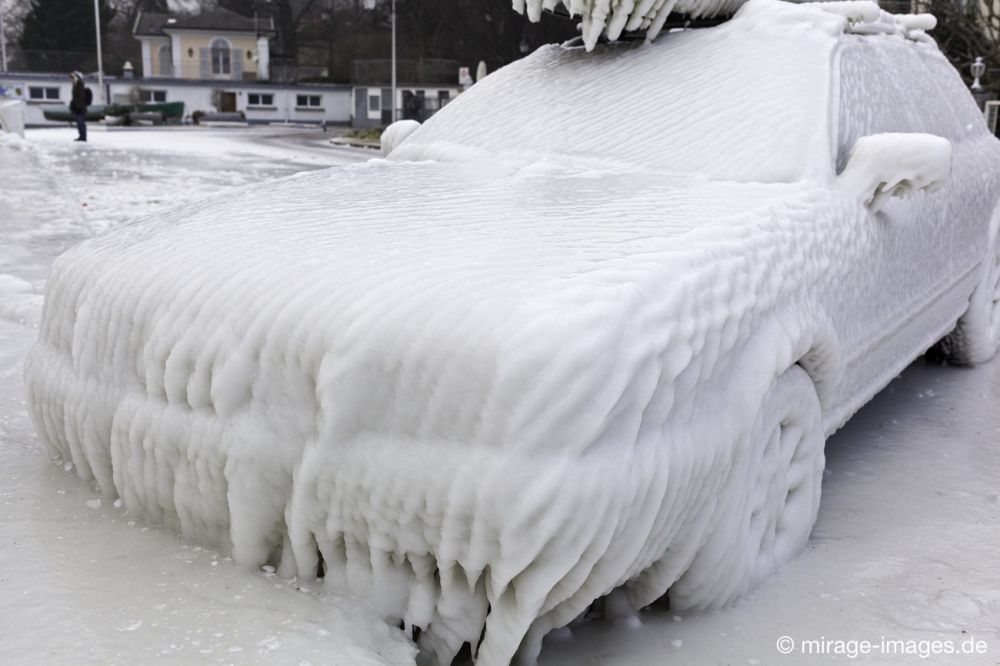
x=3 y=42
x=977 y=68
x=393 y=60
x=370 y=4
x=100 y=60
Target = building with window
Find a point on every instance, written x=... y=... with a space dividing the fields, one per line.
x=216 y=44
x=372 y=105
x=219 y=61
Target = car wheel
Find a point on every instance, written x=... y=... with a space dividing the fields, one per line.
x=977 y=334
x=772 y=500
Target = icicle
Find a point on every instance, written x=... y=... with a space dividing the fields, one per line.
x=620 y=18
x=660 y=20
x=635 y=21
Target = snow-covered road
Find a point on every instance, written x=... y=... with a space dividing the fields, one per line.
x=907 y=547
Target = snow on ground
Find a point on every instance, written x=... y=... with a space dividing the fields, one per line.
x=124 y=183
x=906 y=545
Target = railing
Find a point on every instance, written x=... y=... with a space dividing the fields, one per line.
x=19 y=60
x=203 y=64
x=290 y=72
x=425 y=70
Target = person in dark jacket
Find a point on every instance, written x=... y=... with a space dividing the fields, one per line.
x=78 y=105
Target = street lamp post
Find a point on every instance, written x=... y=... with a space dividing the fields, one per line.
x=393 y=60
x=100 y=60
x=370 y=4
x=3 y=42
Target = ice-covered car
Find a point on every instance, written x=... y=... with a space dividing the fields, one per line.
x=583 y=333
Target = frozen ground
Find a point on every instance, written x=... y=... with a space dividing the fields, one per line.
x=907 y=545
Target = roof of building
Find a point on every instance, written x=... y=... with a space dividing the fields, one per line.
x=223 y=20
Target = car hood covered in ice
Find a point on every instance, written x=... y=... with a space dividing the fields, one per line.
x=412 y=358
x=417 y=286
x=479 y=382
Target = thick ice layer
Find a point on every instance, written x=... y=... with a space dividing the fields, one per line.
x=500 y=406
x=613 y=18
x=649 y=106
x=898 y=164
x=12 y=117
x=489 y=392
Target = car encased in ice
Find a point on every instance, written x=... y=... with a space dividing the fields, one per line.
x=583 y=333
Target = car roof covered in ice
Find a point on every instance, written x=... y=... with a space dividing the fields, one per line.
x=748 y=100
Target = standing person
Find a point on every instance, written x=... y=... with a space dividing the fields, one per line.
x=78 y=105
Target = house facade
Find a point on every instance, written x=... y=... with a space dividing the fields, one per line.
x=262 y=102
x=372 y=105
x=219 y=61
x=214 y=45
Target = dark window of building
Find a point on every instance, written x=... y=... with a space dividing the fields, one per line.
x=153 y=95
x=260 y=99
x=43 y=93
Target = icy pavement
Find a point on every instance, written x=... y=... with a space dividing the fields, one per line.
x=80 y=582
x=907 y=545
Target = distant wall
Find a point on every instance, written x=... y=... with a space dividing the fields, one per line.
x=20 y=86
x=333 y=105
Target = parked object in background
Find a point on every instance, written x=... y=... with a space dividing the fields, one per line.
x=62 y=114
x=581 y=334
x=170 y=111
x=12 y=116
x=222 y=119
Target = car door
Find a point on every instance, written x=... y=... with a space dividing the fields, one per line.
x=908 y=255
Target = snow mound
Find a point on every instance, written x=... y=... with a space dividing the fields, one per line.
x=396 y=133
x=12 y=117
x=18 y=301
x=11 y=141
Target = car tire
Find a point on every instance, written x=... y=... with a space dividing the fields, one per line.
x=772 y=500
x=977 y=334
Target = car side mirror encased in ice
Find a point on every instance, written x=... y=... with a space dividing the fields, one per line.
x=887 y=165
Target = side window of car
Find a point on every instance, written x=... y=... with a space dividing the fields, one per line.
x=886 y=85
x=955 y=95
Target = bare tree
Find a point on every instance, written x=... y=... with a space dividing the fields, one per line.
x=14 y=12
x=968 y=29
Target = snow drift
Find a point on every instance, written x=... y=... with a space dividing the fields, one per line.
x=550 y=367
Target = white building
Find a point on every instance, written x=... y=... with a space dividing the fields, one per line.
x=219 y=61
x=215 y=44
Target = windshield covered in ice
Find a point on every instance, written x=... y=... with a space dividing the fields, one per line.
x=735 y=102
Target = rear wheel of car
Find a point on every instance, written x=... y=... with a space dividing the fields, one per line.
x=977 y=334
x=773 y=506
